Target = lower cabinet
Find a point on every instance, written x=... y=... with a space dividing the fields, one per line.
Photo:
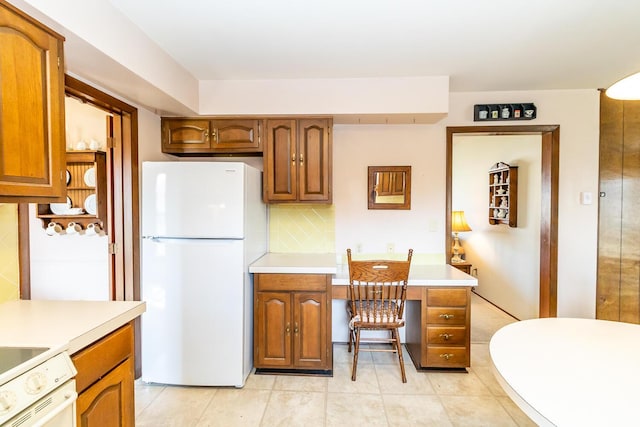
x=439 y=330
x=292 y=323
x=105 y=381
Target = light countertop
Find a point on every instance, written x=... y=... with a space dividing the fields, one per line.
x=570 y=372
x=419 y=275
x=294 y=263
x=61 y=325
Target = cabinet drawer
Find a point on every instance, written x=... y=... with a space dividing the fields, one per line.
x=96 y=360
x=447 y=297
x=291 y=282
x=446 y=316
x=447 y=357
x=447 y=335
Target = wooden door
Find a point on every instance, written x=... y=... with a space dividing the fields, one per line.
x=314 y=160
x=186 y=136
x=618 y=278
x=280 y=161
x=110 y=401
x=236 y=135
x=310 y=330
x=32 y=132
x=273 y=329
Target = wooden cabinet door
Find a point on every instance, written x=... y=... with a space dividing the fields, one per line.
x=314 y=160
x=236 y=135
x=310 y=330
x=273 y=329
x=280 y=161
x=32 y=133
x=110 y=401
x=185 y=136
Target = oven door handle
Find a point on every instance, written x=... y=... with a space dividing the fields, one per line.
x=70 y=400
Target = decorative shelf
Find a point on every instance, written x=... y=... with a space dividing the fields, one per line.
x=497 y=112
x=78 y=190
x=503 y=194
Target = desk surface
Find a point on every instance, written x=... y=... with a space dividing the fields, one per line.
x=419 y=275
x=570 y=372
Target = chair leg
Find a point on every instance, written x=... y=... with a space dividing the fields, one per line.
x=398 y=345
x=355 y=354
x=350 y=338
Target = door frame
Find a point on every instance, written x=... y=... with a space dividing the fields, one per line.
x=550 y=135
x=124 y=206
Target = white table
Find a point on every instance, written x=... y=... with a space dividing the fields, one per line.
x=571 y=372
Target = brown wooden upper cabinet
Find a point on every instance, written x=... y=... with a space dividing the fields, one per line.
x=297 y=161
x=32 y=132
x=209 y=136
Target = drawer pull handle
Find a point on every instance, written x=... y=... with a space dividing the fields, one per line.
x=446 y=316
x=446 y=337
x=446 y=356
x=295 y=328
x=288 y=328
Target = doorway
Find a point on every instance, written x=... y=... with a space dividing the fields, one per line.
x=122 y=195
x=550 y=138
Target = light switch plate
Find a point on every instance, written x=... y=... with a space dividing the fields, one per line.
x=586 y=198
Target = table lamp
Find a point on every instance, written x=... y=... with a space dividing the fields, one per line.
x=458 y=224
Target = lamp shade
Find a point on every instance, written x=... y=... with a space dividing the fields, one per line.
x=458 y=222
x=626 y=89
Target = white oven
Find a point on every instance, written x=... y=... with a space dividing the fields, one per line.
x=43 y=395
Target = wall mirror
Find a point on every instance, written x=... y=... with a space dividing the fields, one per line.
x=389 y=187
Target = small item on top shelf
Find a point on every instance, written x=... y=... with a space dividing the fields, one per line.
x=90 y=177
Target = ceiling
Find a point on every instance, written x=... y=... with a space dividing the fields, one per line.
x=481 y=45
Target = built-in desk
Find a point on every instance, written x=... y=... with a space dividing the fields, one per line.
x=437 y=313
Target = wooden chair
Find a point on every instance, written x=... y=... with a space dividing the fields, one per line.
x=378 y=289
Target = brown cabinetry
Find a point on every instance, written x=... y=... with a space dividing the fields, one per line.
x=445 y=339
x=211 y=136
x=292 y=323
x=618 y=272
x=503 y=194
x=297 y=161
x=32 y=137
x=105 y=381
x=86 y=177
x=462 y=266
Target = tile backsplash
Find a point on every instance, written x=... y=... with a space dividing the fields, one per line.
x=9 y=267
x=301 y=228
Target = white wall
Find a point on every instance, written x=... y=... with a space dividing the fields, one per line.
x=506 y=259
x=423 y=148
x=577 y=113
x=72 y=267
x=418 y=146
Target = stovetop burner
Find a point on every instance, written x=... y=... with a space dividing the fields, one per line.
x=10 y=357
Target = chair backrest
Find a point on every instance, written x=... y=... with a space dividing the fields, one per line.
x=378 y=288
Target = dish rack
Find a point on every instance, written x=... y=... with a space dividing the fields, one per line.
x=86 y=193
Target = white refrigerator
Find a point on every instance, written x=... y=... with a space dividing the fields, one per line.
x=203 y=223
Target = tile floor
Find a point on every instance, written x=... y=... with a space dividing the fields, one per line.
x=427 y=399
